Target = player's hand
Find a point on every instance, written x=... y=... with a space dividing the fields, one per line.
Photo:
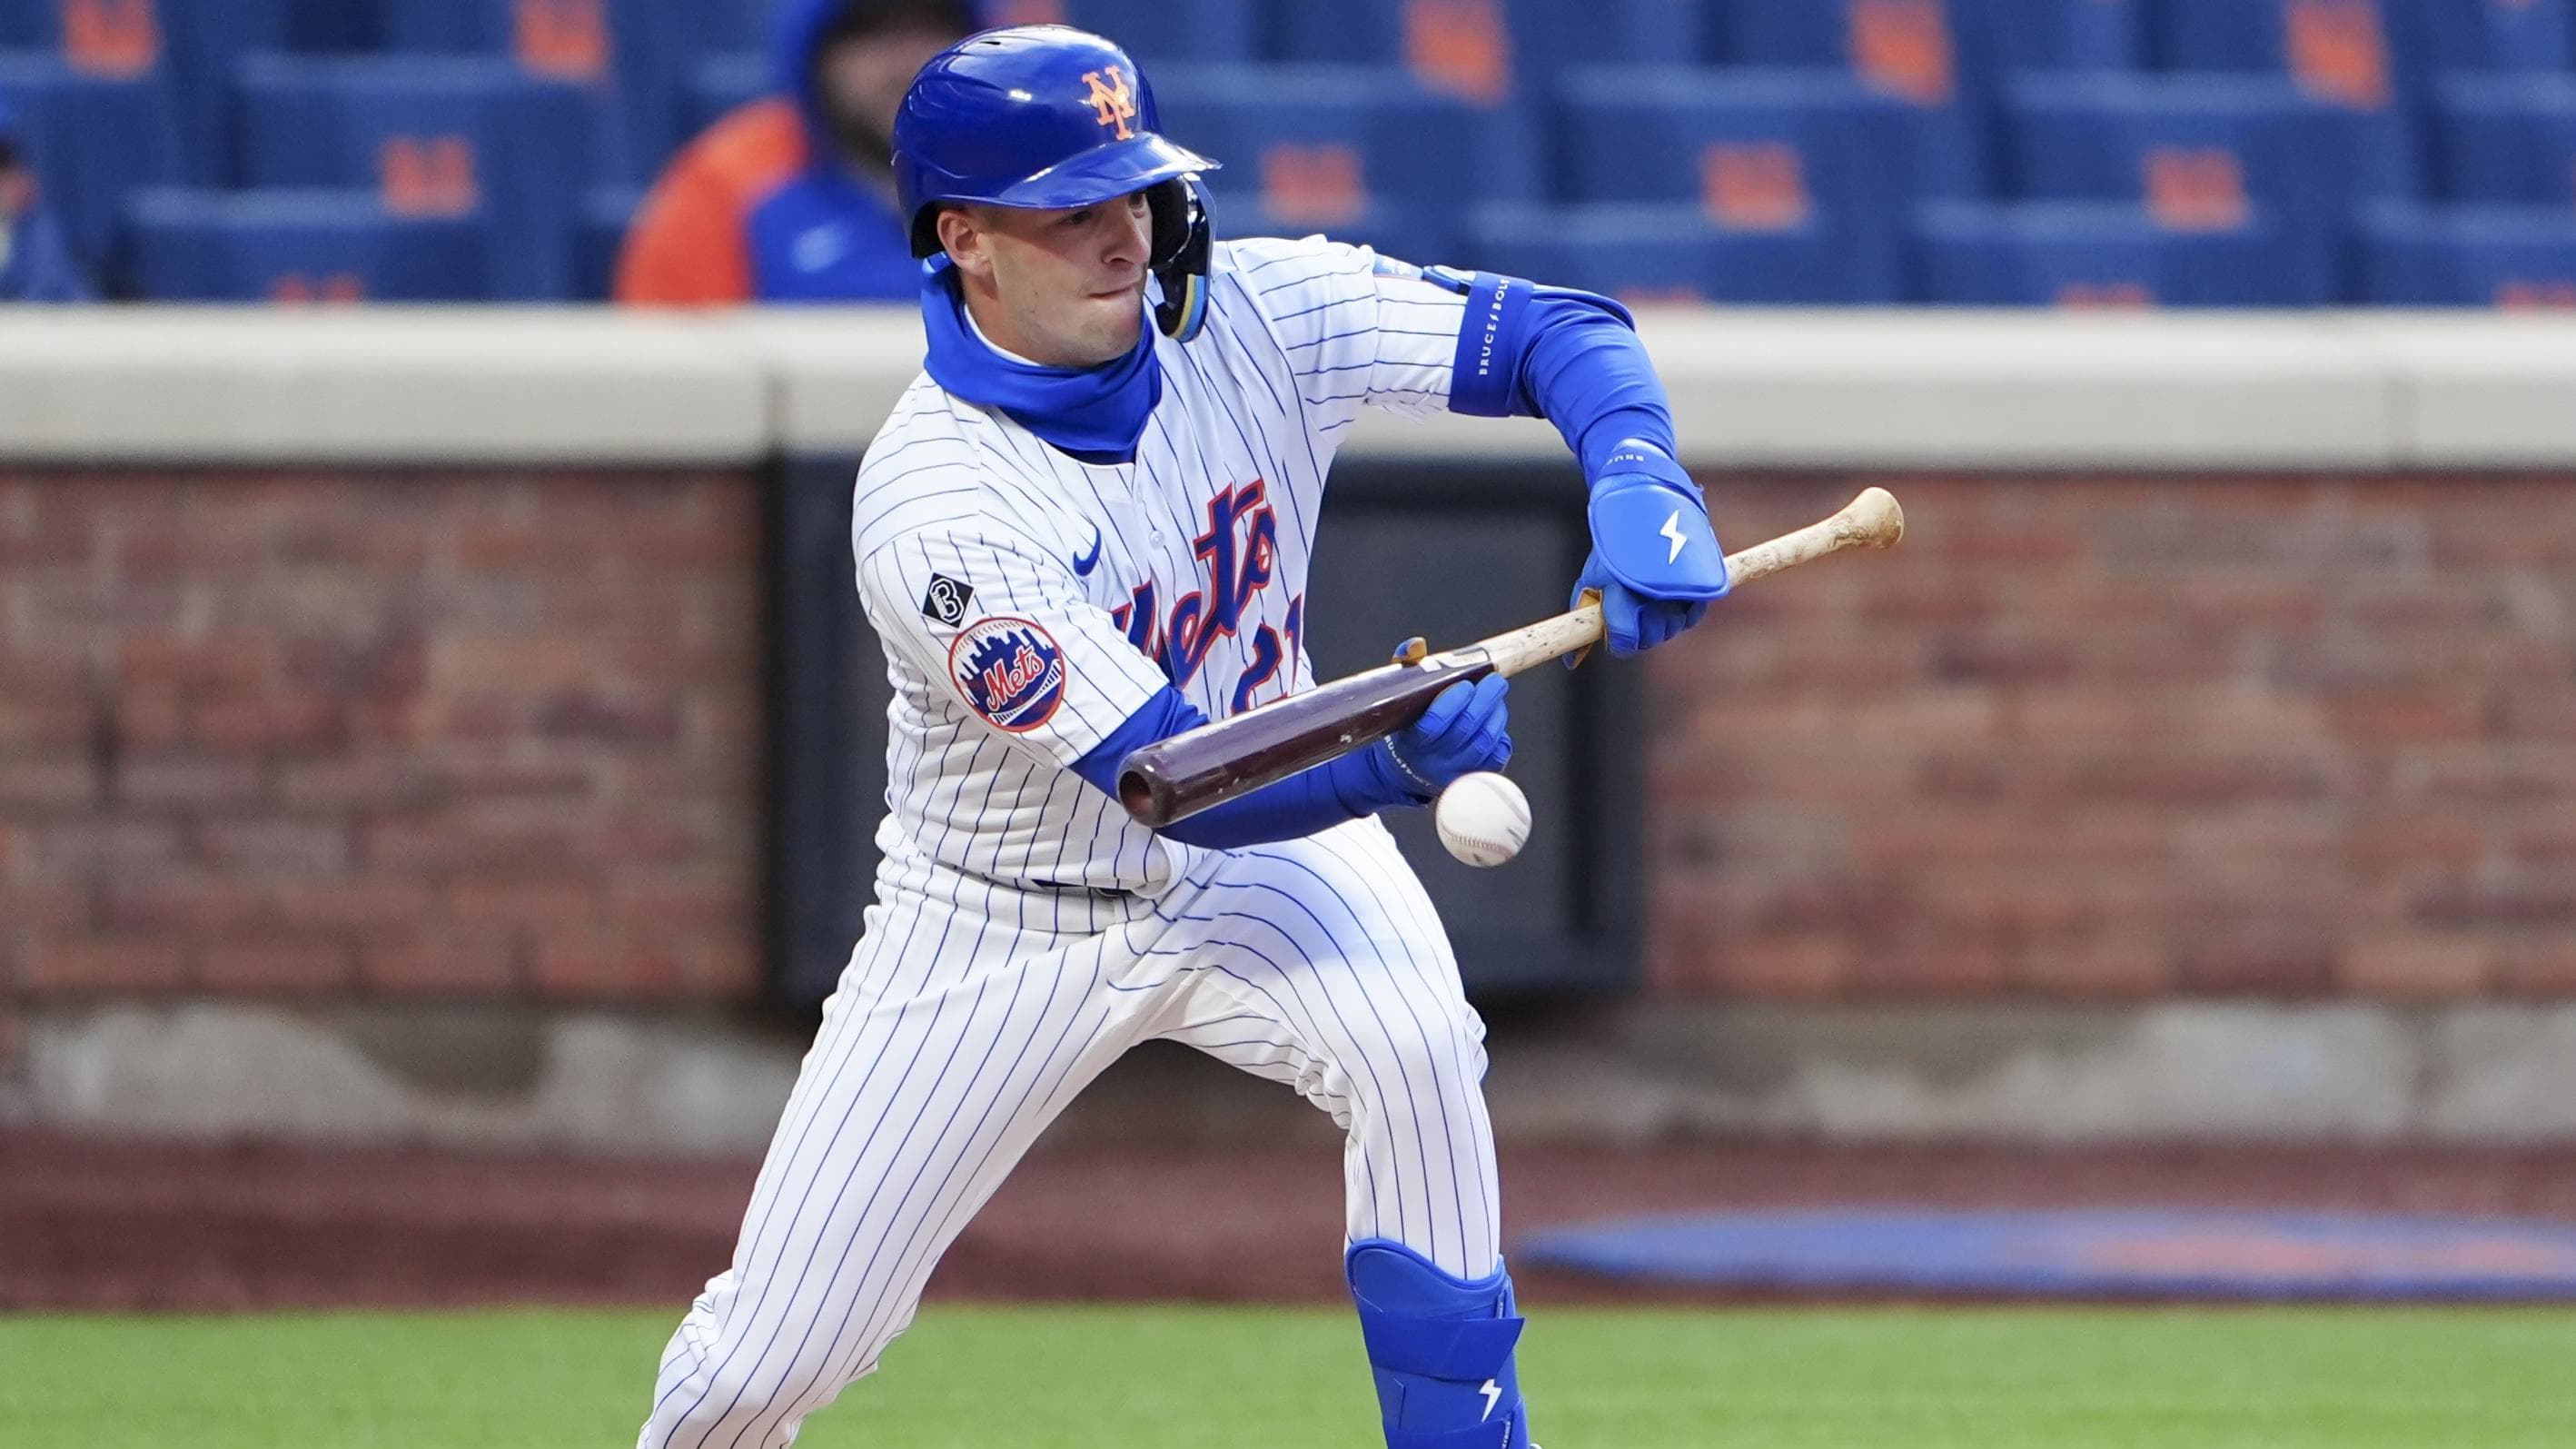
x=1466 y=729
x=1655 y=556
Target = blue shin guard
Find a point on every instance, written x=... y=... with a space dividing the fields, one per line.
x=1440 y=1349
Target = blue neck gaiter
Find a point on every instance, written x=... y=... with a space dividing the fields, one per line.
x=1094 y=413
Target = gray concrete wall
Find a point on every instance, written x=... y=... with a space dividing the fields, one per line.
x=611 y=1082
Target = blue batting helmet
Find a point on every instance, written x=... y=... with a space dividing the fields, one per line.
x=1046 y=116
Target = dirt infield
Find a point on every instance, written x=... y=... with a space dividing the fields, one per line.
x=121 y=1225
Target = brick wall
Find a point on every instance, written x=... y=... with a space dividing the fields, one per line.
x=384 y=734
x=2113 y=737
x=477 y=735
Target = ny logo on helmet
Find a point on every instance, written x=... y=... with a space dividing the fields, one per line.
x=1114 y=98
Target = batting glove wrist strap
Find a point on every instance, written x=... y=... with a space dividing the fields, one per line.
x=1650 y=528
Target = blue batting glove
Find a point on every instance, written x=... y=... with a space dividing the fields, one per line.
x=1655 y=556
x=1466 y=729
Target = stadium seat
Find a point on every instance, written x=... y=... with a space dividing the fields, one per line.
x=2201 y=152
x=194 y=45
x=2335 y=50
x=1932 y=52
x=93 y=140
x=631 y=56
x=1906 y=48
x=714 y=25
x=299 y=246
x=1153 y=31
x=161 y=43
x=97 y=37
x=598 y=234
x=2516 y=257
x=2108 y=254
x=1650 y=253
x=2436 y=37
x=335 y=27
x=1998 y=38
x=1764 y=150
x=435 y=136
x=719 y=83
x=1424 y=235
x=1355 y=137
x=1904 y=51
x=2512 y=139
x=1487 y=51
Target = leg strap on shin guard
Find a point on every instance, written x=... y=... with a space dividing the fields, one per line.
x=1440 y=1349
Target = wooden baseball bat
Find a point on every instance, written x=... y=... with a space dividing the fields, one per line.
x=1176 y=778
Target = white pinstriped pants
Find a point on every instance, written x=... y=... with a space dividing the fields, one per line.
x=959 y=1032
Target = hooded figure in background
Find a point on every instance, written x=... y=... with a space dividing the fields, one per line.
x=35 y=263
x=791 y=198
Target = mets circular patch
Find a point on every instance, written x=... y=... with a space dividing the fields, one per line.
x=1010 y=671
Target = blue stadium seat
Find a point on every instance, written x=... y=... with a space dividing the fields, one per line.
x=434 y=136
x=1348 y=32
x=1906 y=52
x=172 y=44
x=633 y=56
x=335 y=27
x=598 y=234
x=1762 y=150
x=2200 y=151
x=1352 y=136
x=2434 y=37
x=209 y=39
x=1423 y=234
x=1933 y=51
x=2108 y=254
x=2469 y=257
x=714 y=25
x=2000 y=37
x=1488 y=51
x=2336 y=50
x=100 y=37
x=1155 y=31
x=1907 y=48
x=93 y=141
x=1643 y=253
x=2507 y=138
x=331 y=246
x=719 y=83
x=190 y=46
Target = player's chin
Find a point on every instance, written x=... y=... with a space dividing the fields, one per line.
x=1113 y=321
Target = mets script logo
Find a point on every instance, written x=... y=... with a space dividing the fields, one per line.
x=1238 y=557
x=1113 y=98
x=1010 y=671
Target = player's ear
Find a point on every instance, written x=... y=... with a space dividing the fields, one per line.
x=961 y=235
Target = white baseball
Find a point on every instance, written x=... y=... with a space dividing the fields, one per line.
x=1483 y=818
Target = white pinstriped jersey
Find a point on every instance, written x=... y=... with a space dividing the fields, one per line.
x=1029 y=603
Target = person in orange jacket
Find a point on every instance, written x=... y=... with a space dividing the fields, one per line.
x=791 y=197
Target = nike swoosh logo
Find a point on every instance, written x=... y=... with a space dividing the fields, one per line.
x=1085 y=563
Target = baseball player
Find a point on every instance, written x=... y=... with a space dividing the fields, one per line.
x=1084 y=528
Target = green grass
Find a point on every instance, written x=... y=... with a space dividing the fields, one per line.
x=1094 y=1378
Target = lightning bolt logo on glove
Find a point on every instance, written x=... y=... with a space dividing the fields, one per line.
x=1646 y=600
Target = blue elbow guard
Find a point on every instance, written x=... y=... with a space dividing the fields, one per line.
x=1440 y=1349
x=1650 y=527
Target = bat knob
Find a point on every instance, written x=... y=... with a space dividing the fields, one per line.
x=1413 y=650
